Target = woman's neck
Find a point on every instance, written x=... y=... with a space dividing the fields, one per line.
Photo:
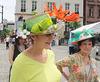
x=36 y=50
x=86 y=59
x=85 y=54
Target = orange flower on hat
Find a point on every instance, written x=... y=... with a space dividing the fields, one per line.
x=50 y=12
x=61 y=14
x=72 y=17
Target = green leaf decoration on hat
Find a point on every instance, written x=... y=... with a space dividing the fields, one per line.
x=42 y=26
x=87 y=32
x=78 y=33
x=39 y=24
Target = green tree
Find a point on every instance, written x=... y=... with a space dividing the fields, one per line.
x=74 y=25
x=6 y=32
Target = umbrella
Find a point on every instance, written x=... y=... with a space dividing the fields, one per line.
x=94 y=26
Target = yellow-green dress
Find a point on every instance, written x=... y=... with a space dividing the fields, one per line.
x=26 y=69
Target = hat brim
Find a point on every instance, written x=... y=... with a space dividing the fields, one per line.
x=76 y=42
x=56 y=30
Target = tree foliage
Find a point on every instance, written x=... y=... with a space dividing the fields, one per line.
x=5 y=32
x=74 y=25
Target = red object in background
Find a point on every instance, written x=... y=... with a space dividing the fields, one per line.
x=15 y=33
x=3 y=41
x=22 y=17
x=25 y=41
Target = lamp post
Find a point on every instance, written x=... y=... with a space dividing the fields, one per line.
x=2 y=23
x=2 y=12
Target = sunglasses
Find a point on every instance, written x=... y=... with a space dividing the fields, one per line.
x=48 y=35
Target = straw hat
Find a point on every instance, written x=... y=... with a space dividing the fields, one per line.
x=42 y=24
x=81 y=35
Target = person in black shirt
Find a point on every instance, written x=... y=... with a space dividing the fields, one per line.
x=16 y=49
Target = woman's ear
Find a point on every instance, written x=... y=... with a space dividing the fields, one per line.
x=33 y=37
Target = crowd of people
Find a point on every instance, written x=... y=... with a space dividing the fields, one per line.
x=36 y=62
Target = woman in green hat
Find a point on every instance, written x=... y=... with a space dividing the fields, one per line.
x=81 y=66
x=37 y=63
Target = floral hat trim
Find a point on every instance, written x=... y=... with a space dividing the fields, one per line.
x=23 y=34
x=82 y=35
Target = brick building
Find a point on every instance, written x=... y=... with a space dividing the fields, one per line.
x=91 y=11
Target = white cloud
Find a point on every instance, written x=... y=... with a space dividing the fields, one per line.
x=8 y=10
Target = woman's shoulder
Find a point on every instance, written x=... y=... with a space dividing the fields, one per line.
x=20 y=60
x=50 y=51
x=75 y=55
x=19 y=57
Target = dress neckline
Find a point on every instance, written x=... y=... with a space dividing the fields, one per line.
x=35 y=60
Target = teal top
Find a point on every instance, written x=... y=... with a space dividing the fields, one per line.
x=26 y=69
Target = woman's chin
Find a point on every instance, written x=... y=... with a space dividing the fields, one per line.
x=86 y=52
x=48 y=47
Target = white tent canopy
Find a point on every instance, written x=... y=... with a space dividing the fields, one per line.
x=94 y=26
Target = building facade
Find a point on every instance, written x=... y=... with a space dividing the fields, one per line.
x=91 y=11
x=25 y=7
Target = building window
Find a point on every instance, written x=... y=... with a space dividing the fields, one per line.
x=34 y=5
x=23 y=5
x=50 y=6
x=77 y=8
x=99 y=11
x=91 y=11
x=67 y=7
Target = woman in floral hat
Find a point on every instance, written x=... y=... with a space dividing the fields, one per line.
x=81 y=66
x=37 y=63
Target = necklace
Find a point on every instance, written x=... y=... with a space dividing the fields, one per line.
x=87 y=62
x=21 y=48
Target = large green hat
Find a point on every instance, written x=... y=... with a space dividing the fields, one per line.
x=42 y=24
x=82 y=35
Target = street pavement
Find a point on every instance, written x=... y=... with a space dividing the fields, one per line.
x=60 y=52
x=4 y=63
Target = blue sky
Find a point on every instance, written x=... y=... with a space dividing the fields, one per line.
x=8 y=10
